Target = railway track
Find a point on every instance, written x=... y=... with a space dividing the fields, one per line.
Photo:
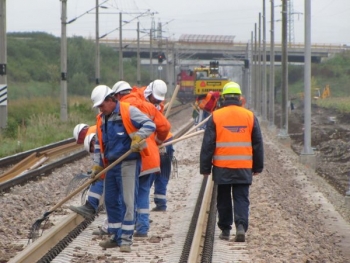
x=182 y=225
x=199 y=235
x=40 y=163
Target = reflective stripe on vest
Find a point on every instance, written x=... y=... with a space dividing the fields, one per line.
x=234 y=126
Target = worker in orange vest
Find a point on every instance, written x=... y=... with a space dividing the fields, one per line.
x=120 y=127
x=151 y=162
x=83 y=132
x=207 y=105
x=232 y=149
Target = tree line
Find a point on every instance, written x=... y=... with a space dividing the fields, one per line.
x=35 y=57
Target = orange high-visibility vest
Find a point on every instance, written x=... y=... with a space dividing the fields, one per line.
x=92 y=129
x=233 y=137
x=149 y=155
x=210 y=101
x=140 y=94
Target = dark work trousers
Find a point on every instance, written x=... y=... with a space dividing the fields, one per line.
x=240 y=199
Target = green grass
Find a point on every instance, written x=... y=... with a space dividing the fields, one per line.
x=36 y=122
x=340 y=104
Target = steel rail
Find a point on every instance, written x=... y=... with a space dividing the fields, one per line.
x=35 y=160
x=45 y=243
x=201 y=226
x=42 y=171
x=20 y=156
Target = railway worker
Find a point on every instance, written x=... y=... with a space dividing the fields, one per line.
x=84 y=133
x=94 y=195
x=206 y=105
x=81 y=130
x=232 y=148
x=151 y=160
x=120 y=127
x=155 y=93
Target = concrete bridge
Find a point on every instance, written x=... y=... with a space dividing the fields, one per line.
x=194 y=52
x=215 y=50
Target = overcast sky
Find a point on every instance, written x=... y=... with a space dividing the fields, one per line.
x=330 y=20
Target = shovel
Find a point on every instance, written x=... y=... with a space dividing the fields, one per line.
x=34 y=232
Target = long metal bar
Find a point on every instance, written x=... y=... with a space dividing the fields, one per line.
x=201 y=223
x=20 y=156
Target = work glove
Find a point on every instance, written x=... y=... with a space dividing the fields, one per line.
x=136 y=146
x=95 y=170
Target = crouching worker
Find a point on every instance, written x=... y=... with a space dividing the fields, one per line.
x=85 y=134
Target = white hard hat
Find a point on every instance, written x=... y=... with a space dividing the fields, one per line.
x=120 y=86
x=99 y=93
x=77 y=129
x=159 y=89
x=87 y=141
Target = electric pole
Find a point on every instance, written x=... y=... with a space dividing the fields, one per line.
x=3 y=62
x=121 y=73
x=272 y=68
x=255 y=56
x=97 y=78
x=138 y=77
x=307 y=150
x=259 y=87
x=150 y=55
x=284 y=105
x=264 y=92
x=64 y=115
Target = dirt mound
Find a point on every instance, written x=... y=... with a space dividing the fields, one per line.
x=330 y=133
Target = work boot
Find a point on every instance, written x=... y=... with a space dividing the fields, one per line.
x=225 y=234
x=109 y=243
x=86 y=210
x=240 y=234
x=125 y=248
x=136 y=234
x=159 y=209
x=99 y=232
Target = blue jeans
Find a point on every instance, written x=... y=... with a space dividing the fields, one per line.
x=121 y=188
x=142 y=221
x=240 y=200
x=95 y=193
x=161 y=180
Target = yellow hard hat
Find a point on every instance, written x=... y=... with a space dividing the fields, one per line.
x=231 y=88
